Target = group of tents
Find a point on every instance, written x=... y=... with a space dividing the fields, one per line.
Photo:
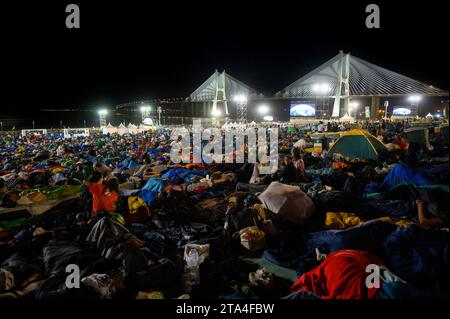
x=122 y=129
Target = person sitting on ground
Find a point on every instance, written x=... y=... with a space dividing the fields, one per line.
x=104 y=195
x=402 y=143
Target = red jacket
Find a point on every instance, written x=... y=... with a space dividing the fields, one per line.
x=342 y=275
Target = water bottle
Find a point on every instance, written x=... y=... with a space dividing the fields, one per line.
x=192 y=263
x=192 y=259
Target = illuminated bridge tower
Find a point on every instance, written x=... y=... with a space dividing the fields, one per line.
x=221 y=89
x=349 y=78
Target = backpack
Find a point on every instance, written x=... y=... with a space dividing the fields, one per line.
x=135 y=203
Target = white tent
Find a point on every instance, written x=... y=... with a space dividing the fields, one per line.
x=109 y=129
x=132 y=129
x=143 y=128
x=347 y=118
x=429 y=115
x=122 y=129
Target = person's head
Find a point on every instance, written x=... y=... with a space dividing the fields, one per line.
x=112 y=184
x=95 y=177
x=412 y=156
x=215 y=176
x=404 y=139
x=92 y=152
x=296 y=154
x=98 y=165
x=286 y=160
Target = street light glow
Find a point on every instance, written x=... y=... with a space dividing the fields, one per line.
x=216 y=113
x=415 y=98
x=263 y=109
x=353 y=105
x=321 y=88
x=240 y=98
x=102 y=112
x=145 y=108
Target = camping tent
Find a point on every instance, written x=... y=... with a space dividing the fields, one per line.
x=358 y=144
x=347 y=118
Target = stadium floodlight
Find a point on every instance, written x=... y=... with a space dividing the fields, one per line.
x=353 y=105
x=414 y=98
x=263 y=109
x=321 y=88
x=145 y=108
x=102 y=117
x=240 y=99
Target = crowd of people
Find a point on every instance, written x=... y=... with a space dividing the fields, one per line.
x=136 y=225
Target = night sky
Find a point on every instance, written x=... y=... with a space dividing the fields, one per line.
x=128 y=51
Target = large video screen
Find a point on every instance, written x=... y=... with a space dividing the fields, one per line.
x=302 y=109
x=402 y=111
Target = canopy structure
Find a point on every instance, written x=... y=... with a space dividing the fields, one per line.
x=358 y=144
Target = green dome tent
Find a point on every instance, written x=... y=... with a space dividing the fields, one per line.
x=358 y=144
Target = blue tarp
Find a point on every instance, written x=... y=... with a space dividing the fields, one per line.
x=417 y=254
x=401 y=174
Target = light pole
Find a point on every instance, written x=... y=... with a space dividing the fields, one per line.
x=386 y=104
x=215 y=113
x=61 y=124
x=263 y=109
x=159 y=115
x=321 y=90
x=241 y=103
x=415 y=99
x=353 y=106
x=1 y=126
x=33 y=125
x=145 y=112
x=84 y=122
x=102 y=117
